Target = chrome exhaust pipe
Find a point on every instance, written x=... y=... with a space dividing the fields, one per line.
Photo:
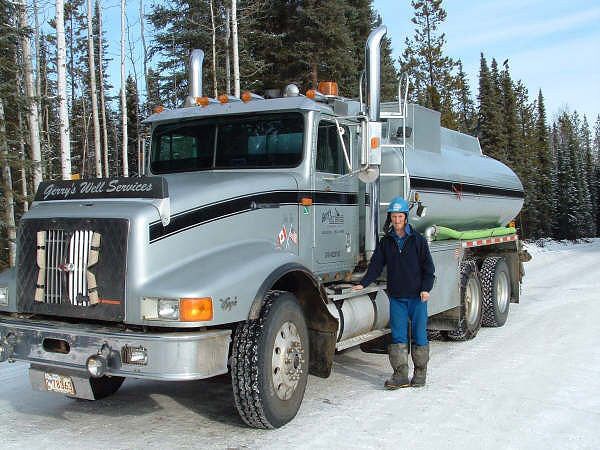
x=373 y=70
x=195 y=77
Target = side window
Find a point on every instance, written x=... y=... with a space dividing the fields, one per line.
x=330 y=154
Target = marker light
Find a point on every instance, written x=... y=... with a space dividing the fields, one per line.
x=202 y=101
x=246 y=96
x=311 y=93
x=305 y=201
x=158 y=109
x=328 y=88
x=223 y=98
x=195 y=309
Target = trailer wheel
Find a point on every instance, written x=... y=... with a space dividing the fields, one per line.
x=269 y=366
x=471 y=306
x=105 y=386
x=495 y=283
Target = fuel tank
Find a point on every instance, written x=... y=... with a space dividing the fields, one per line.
x=460 y=186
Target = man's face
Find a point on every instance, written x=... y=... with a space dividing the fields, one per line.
x=398 y=221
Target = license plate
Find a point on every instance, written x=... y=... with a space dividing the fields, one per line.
x=59 y=383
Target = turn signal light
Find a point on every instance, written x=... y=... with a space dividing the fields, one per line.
x=195 y=309
x=202 y=101
x=374 y=143
x=158 y=109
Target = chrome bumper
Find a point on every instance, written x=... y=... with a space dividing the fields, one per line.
x=170 y=356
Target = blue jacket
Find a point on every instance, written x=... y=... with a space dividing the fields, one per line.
x=410 y=271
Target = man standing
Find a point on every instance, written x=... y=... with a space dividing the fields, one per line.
x=410 y=275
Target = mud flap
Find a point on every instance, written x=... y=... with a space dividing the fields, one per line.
x=322 y=343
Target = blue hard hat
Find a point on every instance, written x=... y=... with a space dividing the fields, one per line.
x=398 y=205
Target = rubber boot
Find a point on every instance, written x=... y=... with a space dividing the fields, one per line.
x=420 y=357
x=399 y=360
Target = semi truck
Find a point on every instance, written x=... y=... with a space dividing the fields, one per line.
x=237 y=250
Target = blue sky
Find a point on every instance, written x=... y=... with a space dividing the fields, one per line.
x=553 y=45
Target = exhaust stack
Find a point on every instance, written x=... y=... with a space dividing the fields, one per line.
x=195 y=77
x=373 y=76
x=373 y=70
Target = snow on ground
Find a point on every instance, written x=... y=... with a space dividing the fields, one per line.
x=534 y=383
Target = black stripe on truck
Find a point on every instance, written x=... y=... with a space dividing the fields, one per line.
x=462 y=188
x=215 y=211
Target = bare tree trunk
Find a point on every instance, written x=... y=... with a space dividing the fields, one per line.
x=22 y=170
x=92 y=65
x=145 y=49
x=214 y=49
x=227 y=50
x=32 y=110
x=102 y=96
x=63 y=113
x=236 y=57
x=123 y=99
x=9 y=211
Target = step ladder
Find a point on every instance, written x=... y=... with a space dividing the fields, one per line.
x=400 y=114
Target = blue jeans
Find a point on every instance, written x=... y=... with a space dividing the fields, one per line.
x=403 y=309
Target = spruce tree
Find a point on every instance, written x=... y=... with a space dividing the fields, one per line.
x=466 y=121
x=596 y=159
x=545 y=192
x=568 y=208
x=588 y=214
x=489 y=120
x=423 y=60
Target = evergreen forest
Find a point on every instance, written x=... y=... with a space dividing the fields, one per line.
x=63 y=116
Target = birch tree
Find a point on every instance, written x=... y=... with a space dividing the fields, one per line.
x=92 y=66
x=227 y=51
x=214 y=48
x=102 y=95
x=123 y=99
x=32 y=101
x=8 y=192
x=236 y=56
x=63 y=114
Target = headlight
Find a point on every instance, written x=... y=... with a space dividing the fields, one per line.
x=181 y=309
x=168 y=309
x=3 y=296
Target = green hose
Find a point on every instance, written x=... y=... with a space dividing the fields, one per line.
x=444 y=233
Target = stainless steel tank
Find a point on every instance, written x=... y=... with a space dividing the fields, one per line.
x=461 y=188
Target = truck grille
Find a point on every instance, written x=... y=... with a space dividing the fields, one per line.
x=73 y=267
x=65 y=261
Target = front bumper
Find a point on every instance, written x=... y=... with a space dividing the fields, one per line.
x=64 y=346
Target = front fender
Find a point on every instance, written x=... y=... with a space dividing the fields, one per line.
x=233 y=276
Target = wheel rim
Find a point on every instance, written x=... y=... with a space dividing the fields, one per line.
x=502 y=291
x=472 y=303
x=287 y=361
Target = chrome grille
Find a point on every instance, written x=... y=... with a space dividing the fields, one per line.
x=64 y=260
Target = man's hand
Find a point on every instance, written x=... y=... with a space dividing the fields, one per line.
x=424 y=296
x=357 y=287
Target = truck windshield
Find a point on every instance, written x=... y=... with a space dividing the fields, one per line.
x=237 y=142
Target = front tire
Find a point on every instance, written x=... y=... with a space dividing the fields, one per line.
x=269 y=367
x=496 y=287
x=471 y=305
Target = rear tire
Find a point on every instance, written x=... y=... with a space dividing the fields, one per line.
x=496 y=289
x=471 y=305
x=269 y=367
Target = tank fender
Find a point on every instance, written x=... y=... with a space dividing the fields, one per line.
x=322 y=326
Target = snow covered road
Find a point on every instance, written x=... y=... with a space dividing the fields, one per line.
x=534 y=383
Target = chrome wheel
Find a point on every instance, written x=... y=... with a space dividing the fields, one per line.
x=287 y=361
x=472 y=300
x=502 y=291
